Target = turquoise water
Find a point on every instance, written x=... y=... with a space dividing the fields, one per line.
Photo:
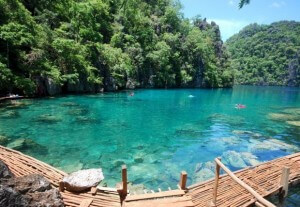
x=156 y=133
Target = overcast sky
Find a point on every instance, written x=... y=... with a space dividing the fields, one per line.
x=231 y=19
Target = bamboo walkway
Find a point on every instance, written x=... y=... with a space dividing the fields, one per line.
x=265 y=179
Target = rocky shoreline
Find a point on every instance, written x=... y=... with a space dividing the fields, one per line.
x=27 y=191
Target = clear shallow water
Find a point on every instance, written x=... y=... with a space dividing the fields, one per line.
x=156 y=133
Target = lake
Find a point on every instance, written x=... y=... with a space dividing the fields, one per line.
x=156 y=133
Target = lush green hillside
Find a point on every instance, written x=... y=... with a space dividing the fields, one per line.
x=49 y=47
x=267 y=54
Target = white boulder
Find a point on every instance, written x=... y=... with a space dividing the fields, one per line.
x=83 y=179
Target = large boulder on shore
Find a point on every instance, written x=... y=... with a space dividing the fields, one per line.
x=27 y=191
x=83 y=179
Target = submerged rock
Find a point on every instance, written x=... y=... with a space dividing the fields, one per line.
x=204 y=171
x=249 y=158
x=78 y=112
x=188 y=132
x=85 y=119
x=17 y=144
x=240 y=159
x=25 y=144
x=294 y=123
x=230 y=140
x=70 y=104
x=75 y=166
x=234 y=159
x=9 y=114
x=17 y=104
x=3 y=140
x=272 y=144
x=136 y=188
x=203 y=175
x=282 y=117
x=118 y=163
x=227 y=119
x=292 y=111
x=138 y=160
x=83 y=179
x=48 y=118
x=208 y=165
x=249 y=133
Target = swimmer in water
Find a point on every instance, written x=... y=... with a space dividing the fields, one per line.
x=131 y=94
x=240 y=106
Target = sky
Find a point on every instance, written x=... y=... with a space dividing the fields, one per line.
x=231 y=19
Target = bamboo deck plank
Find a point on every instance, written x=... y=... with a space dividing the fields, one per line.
x=155 y=195
x=264 y=178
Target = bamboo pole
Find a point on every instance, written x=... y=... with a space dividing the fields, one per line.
x=217 y=175
x=244 y=185
x=284 y=182
x=258 y=204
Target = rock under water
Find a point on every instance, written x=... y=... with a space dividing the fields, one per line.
x=48 y=118
x=294 y=123
x=282 y=117
x=4 y=140
x=239 y=160
x=27 y=145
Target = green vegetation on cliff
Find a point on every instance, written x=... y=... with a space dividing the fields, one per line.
x=267 y=54
x=49 y=47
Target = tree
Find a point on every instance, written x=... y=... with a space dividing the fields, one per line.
x=108 y=44
x=266 y=54
x=243 y=3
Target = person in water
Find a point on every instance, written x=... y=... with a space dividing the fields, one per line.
x=240 y=106
x=131 y=94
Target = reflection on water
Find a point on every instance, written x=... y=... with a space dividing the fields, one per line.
x=156 y=133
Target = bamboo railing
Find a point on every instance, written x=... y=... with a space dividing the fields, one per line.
x=261 y=202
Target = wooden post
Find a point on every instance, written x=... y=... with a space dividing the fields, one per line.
x=284 y=182
x=182 y=182
x=94 y=190
x=61 y=186
x=124 y=180
x=217 y=175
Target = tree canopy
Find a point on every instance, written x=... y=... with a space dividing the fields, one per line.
x=267 y=54
x=47 y=47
